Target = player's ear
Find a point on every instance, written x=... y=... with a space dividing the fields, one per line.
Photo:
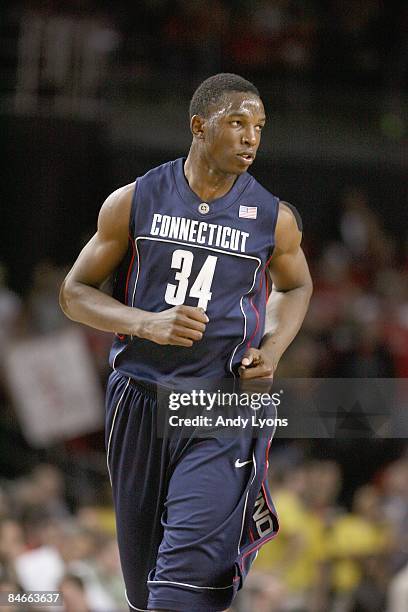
x=197 y=126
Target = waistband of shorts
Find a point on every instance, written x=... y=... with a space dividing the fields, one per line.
x=144 y=386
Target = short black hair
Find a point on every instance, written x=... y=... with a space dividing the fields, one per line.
x=213 y=88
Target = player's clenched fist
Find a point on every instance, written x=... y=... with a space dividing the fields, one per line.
x=180 y=325
x=255 y=364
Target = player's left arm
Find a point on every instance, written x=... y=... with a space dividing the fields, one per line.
x=289 y=299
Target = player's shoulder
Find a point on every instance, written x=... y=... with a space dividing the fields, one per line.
x=288 y=232
x=123 y=192
x=289 y=216
x=115 y=211
x=119 y=199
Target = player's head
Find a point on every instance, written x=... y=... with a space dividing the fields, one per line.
x=226 y=117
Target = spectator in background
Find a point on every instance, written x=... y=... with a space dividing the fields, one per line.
x=58 y=547
x=302 y=359
x=47 y=541
x=73 y=594
x=11 y=310
x=45 y=316
x=97 y=518
x=395 y=506
x=100 y=573
x=398 y=591
x=4 y=503
x=392 y=289
x=370 y=594
x=356 y=542
x=369 y=357
x=41 y=495
x=108 y=569
x=12 y=545
x=324 y=483
x=49 y=483
x=40 y=566
x=362 y=234
x=264 y=592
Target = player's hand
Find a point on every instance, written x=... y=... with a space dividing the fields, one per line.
x=256 y=364
x=180 y=326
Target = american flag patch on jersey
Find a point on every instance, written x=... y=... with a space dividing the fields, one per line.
x=248 y=212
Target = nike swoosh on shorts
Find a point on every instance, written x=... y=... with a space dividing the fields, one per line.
x=239 y=463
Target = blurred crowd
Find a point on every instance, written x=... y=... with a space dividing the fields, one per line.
x=357 y=323
x=84 y=49
x=326 y=558
x=359 y=41
x=48 y=544
x=349 y=41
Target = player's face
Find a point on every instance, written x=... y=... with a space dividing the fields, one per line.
x=233 y=132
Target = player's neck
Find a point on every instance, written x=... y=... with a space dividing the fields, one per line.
x=208 y=183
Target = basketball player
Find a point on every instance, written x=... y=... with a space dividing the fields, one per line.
x=192 y=244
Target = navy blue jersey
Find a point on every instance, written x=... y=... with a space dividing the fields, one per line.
x=185 y=251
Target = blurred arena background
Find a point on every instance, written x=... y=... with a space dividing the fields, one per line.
x=94 y=94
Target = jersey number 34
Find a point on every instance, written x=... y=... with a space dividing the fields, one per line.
x=200 y=289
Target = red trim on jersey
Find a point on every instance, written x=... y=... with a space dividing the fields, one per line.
x=257 y=546
x=257 y=323
x=267 y=458
x=263 y=273
x=266 y=287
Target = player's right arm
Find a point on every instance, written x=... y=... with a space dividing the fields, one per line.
x=82 y=300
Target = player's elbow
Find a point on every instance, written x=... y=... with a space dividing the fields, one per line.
x=67 y=297
x=308 y=288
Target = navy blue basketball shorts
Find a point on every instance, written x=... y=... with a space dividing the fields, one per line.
x=191 y=512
